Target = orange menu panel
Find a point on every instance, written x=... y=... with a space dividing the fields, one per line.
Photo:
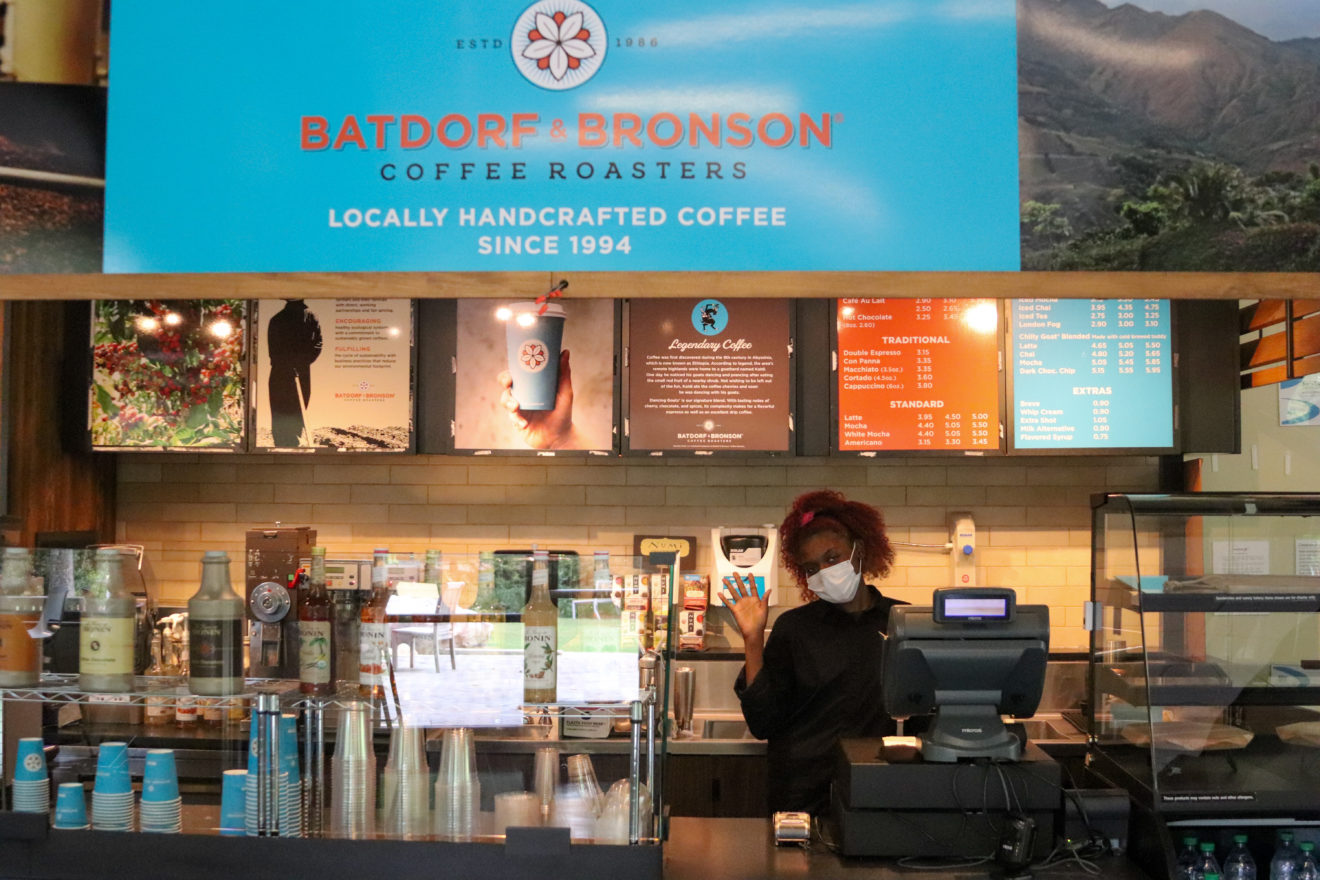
x=918 y=374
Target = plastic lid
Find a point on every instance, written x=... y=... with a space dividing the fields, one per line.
x=1189 y=840
x=1285 y=835
x=552 y=309
x=215 y=556
x=1239 y=838
x=1306 y=845
x=318 y=551
x=16 y=551
x=1207 y=846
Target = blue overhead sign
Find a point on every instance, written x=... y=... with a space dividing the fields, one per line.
x=324 y=135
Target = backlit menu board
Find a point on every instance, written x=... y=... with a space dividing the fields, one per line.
x=1091 y=374
x=918 y=374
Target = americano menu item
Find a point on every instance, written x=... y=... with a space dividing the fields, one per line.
x=1091 y=374
x=708 y=374
x=918 y=374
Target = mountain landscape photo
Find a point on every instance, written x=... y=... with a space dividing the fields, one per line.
x=1163 y=142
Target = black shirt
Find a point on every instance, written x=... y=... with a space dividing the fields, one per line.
x=820 y=681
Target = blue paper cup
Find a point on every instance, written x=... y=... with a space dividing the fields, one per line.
x=30 y=760
x=112 y=769
x=289 y=745
x=71 y=806
x=160 y=779
x=533 y=343
x=233 y=803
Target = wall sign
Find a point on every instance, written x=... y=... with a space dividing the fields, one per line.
x=333 y=374
x=708 y=375
x=568 y=135
x=918 y=374
x=1091 y=374
x=167 y=374
x=534 y=382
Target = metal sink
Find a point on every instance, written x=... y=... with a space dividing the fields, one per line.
x=714 y=728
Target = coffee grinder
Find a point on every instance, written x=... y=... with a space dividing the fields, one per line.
x=273 y=556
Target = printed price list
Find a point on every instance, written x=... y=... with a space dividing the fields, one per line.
x=1091 y=374
x=918 y=374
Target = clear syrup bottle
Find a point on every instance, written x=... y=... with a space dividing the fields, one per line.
x=107 y=628
x=20 y=608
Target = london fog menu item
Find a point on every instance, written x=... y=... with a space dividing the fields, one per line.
x=333 y=374
x=1091 y=374
x=708 y=374
x=916 y=374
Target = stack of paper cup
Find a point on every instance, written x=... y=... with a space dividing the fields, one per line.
x=290 y=780
x=233 y=803
x=112 y=794
x=160 y=810
x=31 y=779
x=353 y=772
x=457 y=788
x=71 y=807
x=405 y=786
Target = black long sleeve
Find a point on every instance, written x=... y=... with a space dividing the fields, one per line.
x=821 y=680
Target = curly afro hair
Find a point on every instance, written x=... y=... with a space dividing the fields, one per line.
x=828 y=511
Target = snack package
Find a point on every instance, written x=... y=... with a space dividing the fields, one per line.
x=691 y=629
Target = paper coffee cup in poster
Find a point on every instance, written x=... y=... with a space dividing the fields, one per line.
x=334 y=374
x=532 y=381
x=534 y=339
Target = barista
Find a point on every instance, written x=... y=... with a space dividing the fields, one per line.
x=817 y=677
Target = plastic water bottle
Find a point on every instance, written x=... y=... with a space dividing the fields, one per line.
x=1206 y=863
x=1238 y=864
x=1306 y=867
x=1187 y=859
x=1286 y=857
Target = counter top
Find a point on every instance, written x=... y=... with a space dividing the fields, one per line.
x=744 y=849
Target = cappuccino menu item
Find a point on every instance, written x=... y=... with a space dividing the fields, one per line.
x=918 y=374
x=1091 y=374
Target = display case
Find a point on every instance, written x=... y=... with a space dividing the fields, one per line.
x=1204 y=681
x=447 y=759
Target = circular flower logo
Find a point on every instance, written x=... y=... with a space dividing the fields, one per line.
x=32 y=763
x=558 y=44
x=533 y=355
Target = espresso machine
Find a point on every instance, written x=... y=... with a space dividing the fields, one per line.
x=273 y=557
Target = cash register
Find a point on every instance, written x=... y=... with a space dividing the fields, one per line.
x=969 y=782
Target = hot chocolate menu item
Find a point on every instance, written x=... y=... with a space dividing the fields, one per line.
x=918 y=374
x=708 y=374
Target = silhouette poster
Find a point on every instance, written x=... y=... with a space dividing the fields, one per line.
x=333 y=374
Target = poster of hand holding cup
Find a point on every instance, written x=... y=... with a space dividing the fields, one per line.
x=333 y=374
x=535 y=376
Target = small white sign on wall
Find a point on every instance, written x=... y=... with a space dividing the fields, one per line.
x=1308 y=556
x=1241 y=557
x=1299 y=401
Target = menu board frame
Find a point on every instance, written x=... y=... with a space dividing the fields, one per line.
x=257 y=372
x=1010 y=356
x=791 y=435
x=452 y=447
x=999 y=449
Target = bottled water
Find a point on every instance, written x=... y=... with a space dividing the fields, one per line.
x=1286 y=856
x=1187 y=859
x=1306 y=867
x=1206 y=863
x=1238 y=864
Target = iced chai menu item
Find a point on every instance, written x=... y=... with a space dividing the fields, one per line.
x=534 y=342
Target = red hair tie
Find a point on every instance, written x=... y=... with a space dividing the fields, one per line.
x=807 y=517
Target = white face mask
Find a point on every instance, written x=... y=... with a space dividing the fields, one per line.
x=838 y=583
